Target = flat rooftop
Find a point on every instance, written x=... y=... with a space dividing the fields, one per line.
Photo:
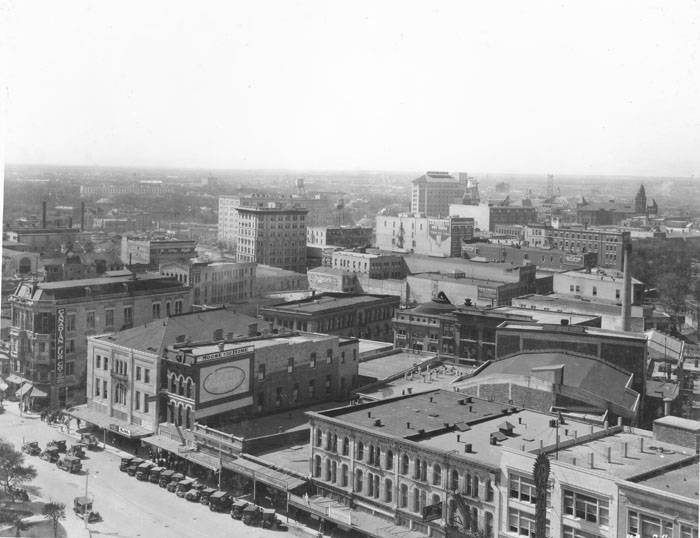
x=417 y=383
x=390 y=365
x=323 y=302
x=371 y=347
x=547 y=317
x=682 y=481
x=591 y=331
x=291 y=458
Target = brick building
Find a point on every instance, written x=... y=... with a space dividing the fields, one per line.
x=152 y=250
x=488 y=216
x=440 y=237
x=52 y=320
x=361 y=316
x=433 y=192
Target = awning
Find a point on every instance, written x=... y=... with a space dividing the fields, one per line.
x=38 y=393
x=101 y=420
x=24 y=390
x=272 y=477
x=13 y=378
x=3 y=385
x=176 y=447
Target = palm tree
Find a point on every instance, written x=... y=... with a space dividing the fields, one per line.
x=541 y=474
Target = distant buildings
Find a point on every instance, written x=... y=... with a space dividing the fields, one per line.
x=151 y=250
x=487 y=216
x=360 y=316
x=442 y=237
x=608 y=243
x=338 y=236
x=52 y=320
x=433 y=192
x=270 y=280
x=378 y=265
x=597 y=285
x=545 y=259
x=145 y=187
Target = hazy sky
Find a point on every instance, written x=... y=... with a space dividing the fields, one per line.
x=524 y=86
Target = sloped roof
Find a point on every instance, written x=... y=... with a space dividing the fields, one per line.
x=196 y=326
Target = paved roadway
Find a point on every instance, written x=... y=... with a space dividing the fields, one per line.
x=129 y=508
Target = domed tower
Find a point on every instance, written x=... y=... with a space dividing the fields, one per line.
x=640 y=201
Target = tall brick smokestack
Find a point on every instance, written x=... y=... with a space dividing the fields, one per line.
x=43 y=214
x=627 y=289
x=82 y=216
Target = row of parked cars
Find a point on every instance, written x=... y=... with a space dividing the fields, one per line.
x=192 y=490
x=70 y=462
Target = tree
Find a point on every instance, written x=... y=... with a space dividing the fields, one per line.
x=13 y=472
x=541 y=475
x=20 y=526
x=54 y=511
x=673 y=291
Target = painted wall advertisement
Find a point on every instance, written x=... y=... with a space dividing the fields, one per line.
x=224 y=380
x=60 y=346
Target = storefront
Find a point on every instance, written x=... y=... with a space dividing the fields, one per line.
x=110 y=429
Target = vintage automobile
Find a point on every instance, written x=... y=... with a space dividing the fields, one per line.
x=195 y=493
x=252 y=515
x=70 y=464
x=133 y=466
x=166 y=476
x=58 y=443
x=90 y=441
x=124 y=463
x=77 y=450
x=50 y=454
x=143 y=469
x=174 y=482
x=269 y=519
x=82 y=506
x=237 y=508
x=220 y=501
x=183 y=486
x=154 y=474
x=32 y=448
x=206 y=493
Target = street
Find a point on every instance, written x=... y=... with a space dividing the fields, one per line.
x=129 y=508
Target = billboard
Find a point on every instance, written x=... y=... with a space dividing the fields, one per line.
x=224 y=380
x=60 y=346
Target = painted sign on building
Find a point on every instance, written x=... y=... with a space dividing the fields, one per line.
x=224 y=380
x=60 y=346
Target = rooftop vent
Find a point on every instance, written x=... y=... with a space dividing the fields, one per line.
x=467 y=448
x=378 y=422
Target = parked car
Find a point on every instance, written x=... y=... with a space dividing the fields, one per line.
x=252 y=515
x=206 y=493
x=71 y=464
x=143 y=469
x=90 y=441
x=195 y=493
x=183 y=486
x=154 y=474
x=270 y=520
x=58 y=443
x=82 y=506
x=174 y=481
x=32 y=448
x=50 y=454
x=165 y=478
x=237 y=508
x=220 y=501
x=133 y=466
x=124 y=463
x=77 y=450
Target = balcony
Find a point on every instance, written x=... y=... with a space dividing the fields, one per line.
x=118 y=376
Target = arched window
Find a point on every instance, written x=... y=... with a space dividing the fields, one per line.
x=467 y=484
x=334 y=447
x=319 y=437
x=317 y=466
x=173 y=383
x=437 y=474
x=475 y=486
x=360 y=451
x=188 y=388
x=25 y=266
x=370 y=455
x=404 y=464
x=327 y=476
x=403 y=496
x=416 y=500
x=416 y=469
x=334 y=472
x=388 y=490
x=344 y=475
x=454 y=481
x=179 y=415
x=389 y=460
x=346 y=446
x=424 y=470
x=181 y=386
x=475 y=519
x=187 y=418
x=358 y=481
x=376 y=486
x=435 y=499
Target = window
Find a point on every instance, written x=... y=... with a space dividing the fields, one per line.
x=128 y=316
x=178 y=305
x=312 y=388
x=358 y=480
x=404 y=464
x=104 y=389
x=70 y=322
x=388 y=488
x=570 y=532
x=319 y=437
x=312 y=360
x=146 y=375
x=109 y=317
x=137 y=401
x=155 y=310
x=360 y=451
x=145 y=402
x=689 y=532
x=645 y=525
x=617 y=294
x=261 y=372
x=523 y=489
x=97 y=387
x=328 y=384
x=454 y=480
x=105 y=364
x=403 y=496
x=437 y=474
x=344 y=475
x=290 y=365
x=346 y=446
x=138 y=373
x=586 y=507
x=98 y=361
x=389 y=460
x=523 y=523
x=329 y=356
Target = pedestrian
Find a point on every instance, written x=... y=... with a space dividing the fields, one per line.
x=306 y=498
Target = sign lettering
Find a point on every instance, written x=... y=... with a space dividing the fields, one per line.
x=225 y=354
x=60 y=347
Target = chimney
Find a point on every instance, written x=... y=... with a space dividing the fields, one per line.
x=369 y=414
x=467 y=448
x=82 y=216
x=624 y=449
x=591 y=460
x=641 y=444
x=564 y=322
x=408 y=425
x=627 y=288
x=609 y=453
x=667 y=406
x=43 y=214
x=458 y=438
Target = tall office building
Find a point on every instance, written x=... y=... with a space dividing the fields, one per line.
x=433 y=192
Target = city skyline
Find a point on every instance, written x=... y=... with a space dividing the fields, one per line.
x=600 y=89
